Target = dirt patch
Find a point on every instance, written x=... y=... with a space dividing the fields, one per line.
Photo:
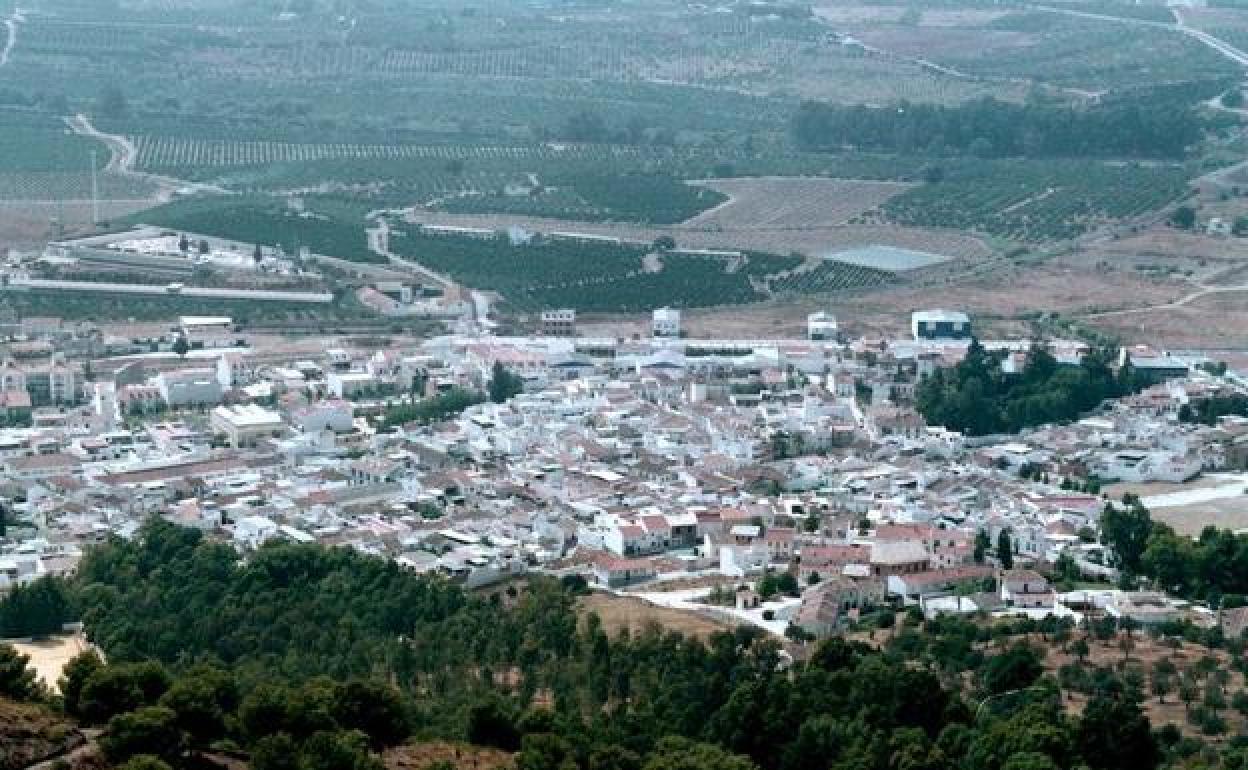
x=459 y=755
x=1150 y=488
x=49 y=656
x=30 y=734
x=618 y=613
x=1144 y=652
x=1215 y=321
x=1226 y=513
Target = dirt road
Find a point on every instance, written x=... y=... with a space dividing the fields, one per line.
x=123 y=154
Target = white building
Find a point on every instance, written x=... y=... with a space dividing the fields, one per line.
x=666 y=322
x=245 y=425
x=560 y=322
x=335 y=415
x=189 y=387
x=347 y=384
x=821 y=326
x=234 y=371
x=254 y=531
x=208 y=331
x=940 y=325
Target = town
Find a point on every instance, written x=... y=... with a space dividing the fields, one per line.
x=790 y=484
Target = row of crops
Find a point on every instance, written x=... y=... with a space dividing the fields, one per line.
x=684 y=281
x=611 y=277
x=832 y=276
x=1034 y=201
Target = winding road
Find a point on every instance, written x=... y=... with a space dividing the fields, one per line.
x=122 y=156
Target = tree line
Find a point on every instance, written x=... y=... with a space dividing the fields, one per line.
x=988 y=128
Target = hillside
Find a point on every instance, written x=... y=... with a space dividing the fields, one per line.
x=30 y=734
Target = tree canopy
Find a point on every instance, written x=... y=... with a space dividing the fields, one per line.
x=977 y=397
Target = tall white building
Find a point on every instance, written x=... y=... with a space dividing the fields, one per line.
x=666 y=322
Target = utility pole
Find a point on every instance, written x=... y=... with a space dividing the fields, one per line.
x=95 y=194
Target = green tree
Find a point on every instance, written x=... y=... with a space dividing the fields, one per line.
x=682 y=754
x=35 y=609
x=74 y=677
x=17 y=681
x=1016 y=668
x=121 y=687
x=337 y=751
x=1005 y=550
x=1126 y=530
x=181 y=345
x=1183 y=217
x=375 y=709
x=982 y=543
x=202 y=700
x=503 y=384
x=1114 y=734
x=151 y=730
x=275 y=752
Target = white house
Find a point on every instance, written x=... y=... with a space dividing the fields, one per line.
x=254 y=531
x=346 y=384
x=666 y=322
x=246 y=424
x=185 y=387
x=821 y=326
x=335 y=415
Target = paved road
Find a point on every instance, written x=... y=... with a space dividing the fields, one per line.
x=1178 y=25
x=379 y=243
x=257 y=295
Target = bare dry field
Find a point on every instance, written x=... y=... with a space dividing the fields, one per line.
x=791 y=203
x=1228 y=513
x=49 y=656
x=1166 y=242
x=1148 y=488
x=1216 y=321
x=617 y=612
x=999 y=302
x=24 y=224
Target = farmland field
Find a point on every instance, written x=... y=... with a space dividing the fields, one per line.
x=635 y=120
x=266 y=221
x=1037 y=201
x=33 y=141
x=601 y=277
x=779 y=202
x=810 y=241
